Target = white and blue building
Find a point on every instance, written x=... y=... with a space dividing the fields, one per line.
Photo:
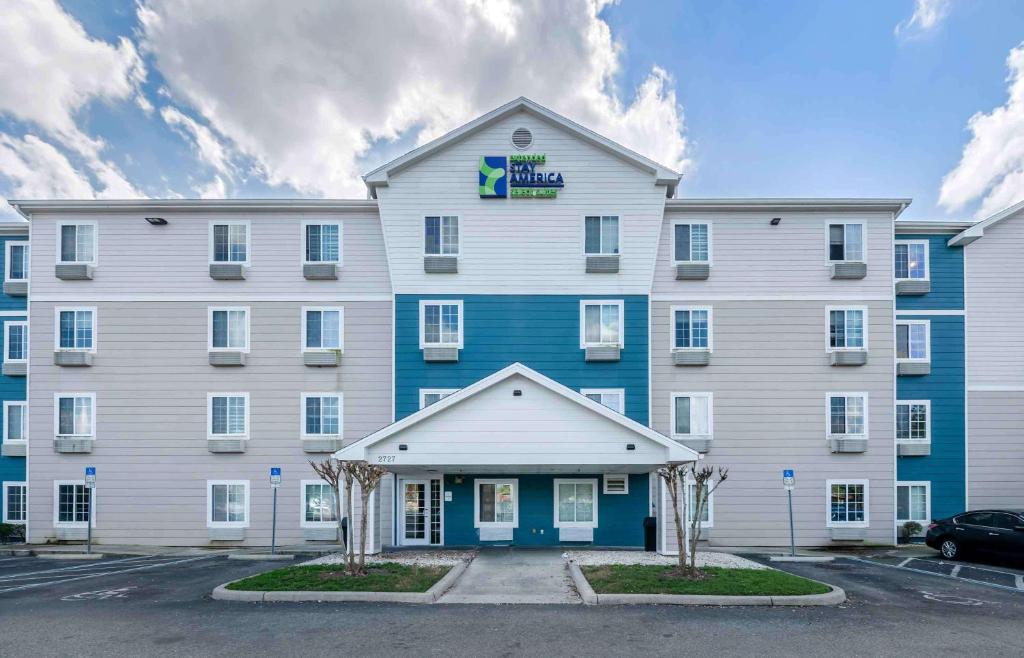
x=14 y=320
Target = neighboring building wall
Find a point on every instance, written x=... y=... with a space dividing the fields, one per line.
x=12 y=309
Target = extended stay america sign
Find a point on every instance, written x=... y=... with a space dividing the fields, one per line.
x=516 y=176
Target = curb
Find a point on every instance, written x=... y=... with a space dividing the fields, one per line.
x=69 y=556
x=800 y=558
x=447 y=581
x=586 y=592
x=260 y=557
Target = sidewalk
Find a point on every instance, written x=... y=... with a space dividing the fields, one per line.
x=507 y=575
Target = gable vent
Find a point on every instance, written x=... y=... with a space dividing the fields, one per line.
x=522 y=138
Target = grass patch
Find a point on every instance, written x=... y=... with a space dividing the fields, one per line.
x=656 y=579
x=383 y=577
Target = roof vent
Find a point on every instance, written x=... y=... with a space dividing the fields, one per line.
x=522 y=138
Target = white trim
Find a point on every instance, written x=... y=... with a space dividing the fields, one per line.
x=575 y=524
x=977 y=231
x=57 y=397
x=829 y=523
x=995 y=388
x=341 y=328
x=927 y=259
x=618 y=229
x=615 y=476
x=711 y=415
x=927 y=341
x=91 y=296
x=210 y=523
x=725 y=297
x=863 y=238
x=477 y=523
x=56 y=505
x=248 y=240
x=828 y=327
x=443 y=392
x=7 y=339
x=442 y=302
x=900 y=312
x=209 y=328
x=7 y=258
x=928 y=421
x=57 y=310
x=704 y=525
x=621 y=392
x=424 y=481
x=584 y=303
x=423 y=234
x=10 y=484
x=927 y=500
x=209 y=416
x=672 y=328
x=13 y=314
x=321 y=222
x=690 y=222
x=95 y=242
x=303 y=523
x=828 y=414
x=302 y=414
x=24 y=421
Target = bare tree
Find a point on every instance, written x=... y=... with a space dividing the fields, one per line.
x=704 y=484
x=332 y=472
x=368 y=476
x=675 y=478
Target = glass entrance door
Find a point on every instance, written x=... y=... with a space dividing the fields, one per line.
x=415 y=512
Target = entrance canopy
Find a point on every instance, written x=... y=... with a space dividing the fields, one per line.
x=517 y=421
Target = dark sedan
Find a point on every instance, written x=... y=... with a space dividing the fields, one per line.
x=989 y=531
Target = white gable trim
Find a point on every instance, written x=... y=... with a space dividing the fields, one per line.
x=977 y=231
x=357 y=451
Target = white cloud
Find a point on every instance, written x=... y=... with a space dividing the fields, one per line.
x=38 y=170
x=928 y=16
x=207 y=147
x=992 y=165
x=307 y=90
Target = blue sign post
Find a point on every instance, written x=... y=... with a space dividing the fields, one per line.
x=90 y=485
x=275 y=482
x=789 y=482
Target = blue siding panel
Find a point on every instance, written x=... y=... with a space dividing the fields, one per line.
x=12 y=469
x=946 y=269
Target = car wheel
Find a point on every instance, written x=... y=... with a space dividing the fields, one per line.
x=950 y=549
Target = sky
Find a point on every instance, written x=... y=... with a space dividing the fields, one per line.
x=262 y=98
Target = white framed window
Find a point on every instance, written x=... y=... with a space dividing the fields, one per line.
x=71 y=504
x=496 y=503
x=16 y=342
x=229 y=328
x=322 y=415
x=913 y=420
x=441 y=323
x=77 y=243
x=847 y=415
x=230 y=241
x=15 y=502
x=15 y=421
x=911 y=260
x=692 y=415
x=691 y=242
x=707 y=516
x=914 y=502
x=601 y=235
x=913 y=340
x=429 y=396
x=441 y=235
x=613 y=398
x=227 y=415
x=319 y=506
x=615 y=484
x=227 y=503
x=74 y=415
x=323 y=328
x=847 y=328
x=74 y=329
x=847 y=503
x=601 y=323
x=321 y=242
x=690 y=328
x=575 y=502
x=846 y=242
x=16 y=260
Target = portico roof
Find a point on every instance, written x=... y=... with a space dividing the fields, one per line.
x=517 y=420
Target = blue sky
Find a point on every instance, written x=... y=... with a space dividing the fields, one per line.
x=747 y=98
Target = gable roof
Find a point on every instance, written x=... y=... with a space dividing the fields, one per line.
x=379 y=176
x=357 y=451
x=977 y=231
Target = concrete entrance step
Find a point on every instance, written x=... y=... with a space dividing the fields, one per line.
x=510 y=575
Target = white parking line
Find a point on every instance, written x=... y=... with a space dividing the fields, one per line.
x=105 y=573
x=1019 y=580
x=75 y=567
x=906 y=562
x=956 y=571
x=935 y=573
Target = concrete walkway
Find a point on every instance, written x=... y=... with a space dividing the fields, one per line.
x=509 y=575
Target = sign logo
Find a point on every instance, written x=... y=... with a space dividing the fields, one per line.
x=517 y=176
x=493 y=177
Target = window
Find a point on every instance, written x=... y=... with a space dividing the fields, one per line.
x=74 y=415
x=15 y=502
x=441 y=235
x=228 y=415
x=322 y=328
x=429 y=396
x=912 y=502
x=15 y=421
x=613 y=398
x=575 y=503
x=228 y=503
x=71 y=503
x=848 y=414
x=229 y=328
x=846 y=329
x=616 y=484
x=229 y=242
x=16 y=260
x=706 y=515
x=601 y=235
x=976 y=518
x=322 y=242
x=319 y=506
x=15 y=342
x=846 y=242
x=912 y=340
x=847 y=503
x=75 y=329
x=321 y=415
x=601 y=323
x=496 y=503
x=691 y=243
x=691 y=415
x=77 y=243
x=441 y=323
x=913 y=420
x=911 y=260
x=691 y=328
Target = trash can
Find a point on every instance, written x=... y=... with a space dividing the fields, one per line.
x=650 y=533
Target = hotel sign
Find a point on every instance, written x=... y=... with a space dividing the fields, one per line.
x=517 y=176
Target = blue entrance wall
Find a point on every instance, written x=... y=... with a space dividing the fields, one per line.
x=540 y=331
x=619 y=516
x=12 y=469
